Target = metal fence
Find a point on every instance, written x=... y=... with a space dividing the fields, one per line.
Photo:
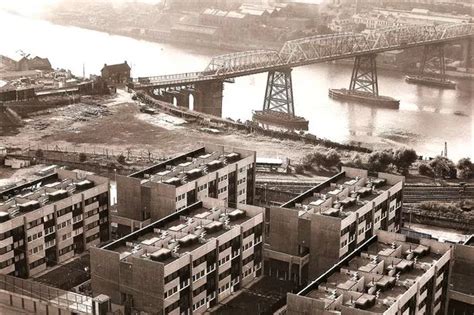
x=55 y=297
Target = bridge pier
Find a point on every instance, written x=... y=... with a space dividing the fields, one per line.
x=182 y=100
x=208 y=97
x=364 y=85
x=432 y=70
x=278 y=104
x=468 y=54
x=279 y=92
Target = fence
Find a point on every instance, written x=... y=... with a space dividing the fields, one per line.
x=91 y=152
x=57 y=298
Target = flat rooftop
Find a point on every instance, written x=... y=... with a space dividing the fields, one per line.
x=374 y=279
x=182 y=232
x=189 y=166
x=339 y=196
x=39 y=193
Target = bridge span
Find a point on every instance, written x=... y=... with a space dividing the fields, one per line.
x=206 y=86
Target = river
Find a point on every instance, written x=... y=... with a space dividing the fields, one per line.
x=426 y=119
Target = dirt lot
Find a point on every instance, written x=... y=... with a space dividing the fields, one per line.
x=117 y=124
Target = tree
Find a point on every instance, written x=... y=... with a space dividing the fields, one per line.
x=82 y=157
x=404 y=158
x=380 y=160
x=443 y=167
x=425 y=170
x=466 y=168
x=332 y=158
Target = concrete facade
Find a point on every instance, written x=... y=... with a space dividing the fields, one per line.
x=48 y=221
x=329 y=221
x=386 y=275
x=186 y=262
x=211 y=171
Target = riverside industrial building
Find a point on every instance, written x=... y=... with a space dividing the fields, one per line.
x=211 y=171
x=186 y=262
x=313 y=231
x=51 y=219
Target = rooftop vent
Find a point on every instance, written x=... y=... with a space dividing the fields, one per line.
x=236 y=214
x=29 y=206
x=161 y=254
x=4 y=216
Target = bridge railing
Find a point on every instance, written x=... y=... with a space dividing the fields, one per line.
x=321 y=47
x=167 y=77
x=243 y=61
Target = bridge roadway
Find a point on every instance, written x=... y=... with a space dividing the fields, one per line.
x=310 y=50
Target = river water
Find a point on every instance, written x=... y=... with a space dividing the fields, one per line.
x=426 y=119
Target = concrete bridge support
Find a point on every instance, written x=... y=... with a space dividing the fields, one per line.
x=182 y=99
x=208 y=97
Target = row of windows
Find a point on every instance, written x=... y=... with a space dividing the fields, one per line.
x=202 y=187
x=35 y=250
x=6 y=263
x=224 y=260
x=199 y=275
x=49 y=230
x=171 y=291
x=50 y=243
x=91 y=225
x=90 y=213
x=199 y=290
x=35 y=236
x=92 y=237
x=222 y=190
x=63 y=225
x=248 y=245
x=66 y=250
x=222 y=178
x=241 y=181
x=34 y=223
x=64 y=211
x=5 y=249
x=180 y=197
x=77 y=218
x=242 y=192
x=224 y=274
x=199 y=303
x=66 y=236
x=37 y=263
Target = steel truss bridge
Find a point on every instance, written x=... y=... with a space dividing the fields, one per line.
x=306 y=51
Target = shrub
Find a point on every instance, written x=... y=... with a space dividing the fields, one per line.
x=425 y=169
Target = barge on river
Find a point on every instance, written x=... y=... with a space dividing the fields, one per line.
x=280 y=119
x=438 y=82
x=364 y=97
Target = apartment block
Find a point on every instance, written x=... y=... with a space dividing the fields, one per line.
x=461 y=286
x=212 y=171
x=185 y=262
x=388 y=274
x=310 y=233
x=49 y=220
